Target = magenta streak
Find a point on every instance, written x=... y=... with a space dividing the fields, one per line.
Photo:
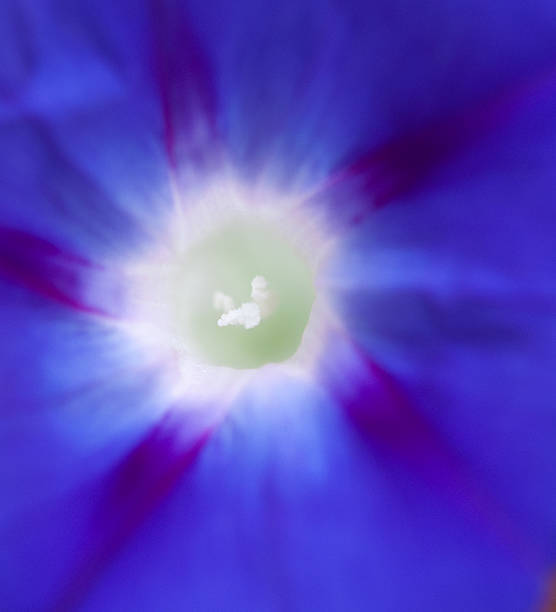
x=127 y=497
x=406 y=441
x=182 y=75
x=397 y=167
x=44 y=268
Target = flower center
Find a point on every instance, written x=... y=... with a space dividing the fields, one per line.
x=245 y=297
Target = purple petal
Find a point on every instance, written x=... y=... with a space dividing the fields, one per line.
x=184 y=78
x=126 y=498
x=397 y=168
x=47 y=270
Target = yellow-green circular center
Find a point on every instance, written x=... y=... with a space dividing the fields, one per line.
x=245 y=296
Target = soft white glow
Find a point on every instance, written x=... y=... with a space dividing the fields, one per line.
x=155 y=287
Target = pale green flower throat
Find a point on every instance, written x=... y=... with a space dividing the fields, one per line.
x=247 y=296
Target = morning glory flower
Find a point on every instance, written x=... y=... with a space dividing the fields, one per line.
x=277 y=295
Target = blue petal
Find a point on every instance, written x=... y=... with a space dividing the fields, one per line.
x=83 y=129
x=307 y=85
x=286 y=510
x=90 y=126
x=452 y=290
x=74 y=398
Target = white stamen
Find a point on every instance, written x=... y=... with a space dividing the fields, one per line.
x=221 y=301
x=259 y=292
x=249 y=314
